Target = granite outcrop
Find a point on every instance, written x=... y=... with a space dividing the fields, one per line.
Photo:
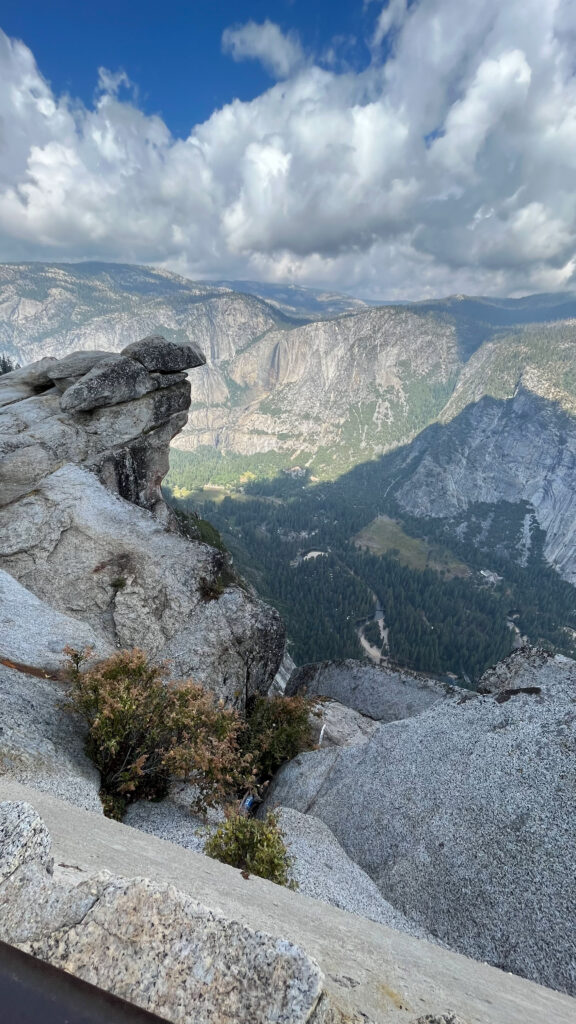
x=84 y=529
x=463 y=815
x=383 y=692
x=149 y=943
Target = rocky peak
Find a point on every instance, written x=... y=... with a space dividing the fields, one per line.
x=115 y=414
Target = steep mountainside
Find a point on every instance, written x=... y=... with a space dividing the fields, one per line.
x=288 y=382
x=49 y=309
x=522 y=450
x=461 y=410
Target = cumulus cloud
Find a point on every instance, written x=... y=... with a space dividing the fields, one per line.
x=447 y=165
x=280 y=53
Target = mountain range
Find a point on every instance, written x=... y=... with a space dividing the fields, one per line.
x=296 y=375
x=453 y=416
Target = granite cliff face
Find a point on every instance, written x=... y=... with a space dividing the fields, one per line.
x=346 y=383
x=519 y=450
x=83 y=527
x=463 y=814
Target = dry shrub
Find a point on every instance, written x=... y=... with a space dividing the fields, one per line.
x=142 y=732
x=254 y=846
x=277 y=729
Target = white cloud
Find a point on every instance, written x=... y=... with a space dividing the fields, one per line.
x=445 y=166
x=392 y=16
x=280 y=54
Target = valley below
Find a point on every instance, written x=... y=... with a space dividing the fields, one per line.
x=428 y=449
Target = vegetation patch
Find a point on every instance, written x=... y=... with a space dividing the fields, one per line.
x=385 y=536
x=143 y=732
x=277 y=729
x=256 y=847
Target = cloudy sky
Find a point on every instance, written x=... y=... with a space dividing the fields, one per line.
x=396 y=150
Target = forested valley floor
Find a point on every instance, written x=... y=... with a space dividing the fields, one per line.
x=352 y=575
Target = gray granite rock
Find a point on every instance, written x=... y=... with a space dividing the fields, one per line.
x=520 y=670
x=324 y=871
x=126 y=444
x=128 y=578
x=110 y=382
x=381 y=692
x=41 y=743
x=165 y=952
x=156 y=353
x=464 y=818
x=338 y=726
x=147 y=943
x=93 y=556
x=66 y=372
x=171 y=818
x=23 y=838
x=33 y=634
x=32 y=377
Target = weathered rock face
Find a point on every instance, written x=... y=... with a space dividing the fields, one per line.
x=147 y=943
x=519 y=450
x=463 y=816
x=324 y=871
x=42 y=744
x=108 y=412
x=380 y=692
x=33 y=634
x=90 y=556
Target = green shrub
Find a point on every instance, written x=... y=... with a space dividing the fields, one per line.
x=277 y=729
x=254 y=846
x=143 y=732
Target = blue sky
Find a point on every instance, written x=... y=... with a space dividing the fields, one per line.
x=172 y=50
x=394 y=149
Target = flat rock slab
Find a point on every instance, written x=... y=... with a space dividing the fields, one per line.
x=156 y=353
x=111 y=381
x=371 y=971
x=147 y=942
x=381 y=692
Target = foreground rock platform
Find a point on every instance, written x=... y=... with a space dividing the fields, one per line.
x=146 y=942
x=371 y=972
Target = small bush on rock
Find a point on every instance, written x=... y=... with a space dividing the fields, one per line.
x=143 y=732
x=254 y=846
x=277 y=729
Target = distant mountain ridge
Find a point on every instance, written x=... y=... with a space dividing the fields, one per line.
x=291 y=297
x=287 y=384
